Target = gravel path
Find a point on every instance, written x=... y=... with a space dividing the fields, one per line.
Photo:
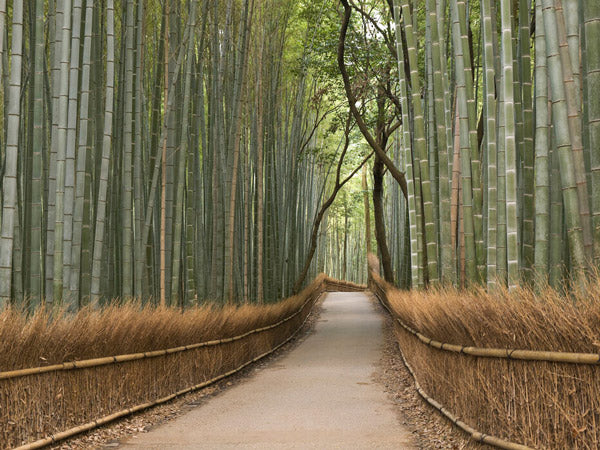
x=323 y=394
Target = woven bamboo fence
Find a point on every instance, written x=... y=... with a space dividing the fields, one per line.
x=42 y=405
x=503 y=397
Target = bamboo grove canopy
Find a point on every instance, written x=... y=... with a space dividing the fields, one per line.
x=181 y=150
x=499 y=138
x=166 y=150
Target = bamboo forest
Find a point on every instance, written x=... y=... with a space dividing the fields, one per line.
x=187 y=185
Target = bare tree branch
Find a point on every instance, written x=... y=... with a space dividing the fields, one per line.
x=398 y=176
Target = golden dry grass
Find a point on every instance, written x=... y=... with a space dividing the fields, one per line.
x=540 y=404
x=35 y=406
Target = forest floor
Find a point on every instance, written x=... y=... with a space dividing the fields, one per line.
x=342 y=386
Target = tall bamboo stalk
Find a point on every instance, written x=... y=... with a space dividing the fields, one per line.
x=420 y=147
x=491 y=138
x=468 y=218
x=99 y=233
x=510 y=155
x=563 y=141
x=439 y=90
x=35 y=232
x=591 y=13
x=9 y=180
x=542 y=163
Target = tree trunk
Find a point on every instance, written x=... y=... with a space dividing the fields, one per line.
x=384 y=253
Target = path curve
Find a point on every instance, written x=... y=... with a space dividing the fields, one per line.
x=320 y=395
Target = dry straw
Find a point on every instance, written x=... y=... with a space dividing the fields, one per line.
x=86 y=387
x=545 y=399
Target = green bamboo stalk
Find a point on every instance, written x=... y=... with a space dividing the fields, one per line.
x=9 y=180
x=465 y=151
x=18 y=251
x=3 y=77
x=441 y=6
x=408 y=159
x=556 y=265
x=542 y=165
x=527 y=138
x=61 y=149
x=512 y=247
x=563 y=142
x=183 y=151
x=420 y=147
x=432 y=153
x=2 y=35
x=591 y=11
x=138 y=182
x=173 y=11
x=490 y=139
x=439 y=91
x=127 y=163
x=236 y=131
x=259 y=174
x=106 y=155
x=572 y=12
x=198 y=240
x=70 y=154
x=501 y=256
x=194 y=204
x=37 y=191
x=460 y=22
x=163 y=165
x=246 y=202
x=56 y=27
x=573 y=99
x=82 y=160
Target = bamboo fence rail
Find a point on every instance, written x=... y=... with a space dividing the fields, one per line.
x=95 y=362
x=505 y=353
x=49 y=437
x=379 y=291
x=52 y=439
x=329 y=286
x=475 y=435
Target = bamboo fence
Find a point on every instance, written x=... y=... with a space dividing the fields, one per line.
x=528 y=363
x=506 y=353
x=42 y=405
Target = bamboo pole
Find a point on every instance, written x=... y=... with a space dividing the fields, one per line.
x=9 y=180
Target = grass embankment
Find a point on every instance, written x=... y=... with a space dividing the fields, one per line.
x=539 y=404
x=35 y=406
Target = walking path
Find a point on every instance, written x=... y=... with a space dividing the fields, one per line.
x=320 y=395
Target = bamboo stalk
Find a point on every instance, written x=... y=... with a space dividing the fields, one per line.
x=569 y=178
x=542 y=166
x=420 y=149
x=9 y=180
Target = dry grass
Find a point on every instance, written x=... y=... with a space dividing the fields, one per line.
x=540 y=404
x=36 y=406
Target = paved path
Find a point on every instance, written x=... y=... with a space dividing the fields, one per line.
x=320 y=395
